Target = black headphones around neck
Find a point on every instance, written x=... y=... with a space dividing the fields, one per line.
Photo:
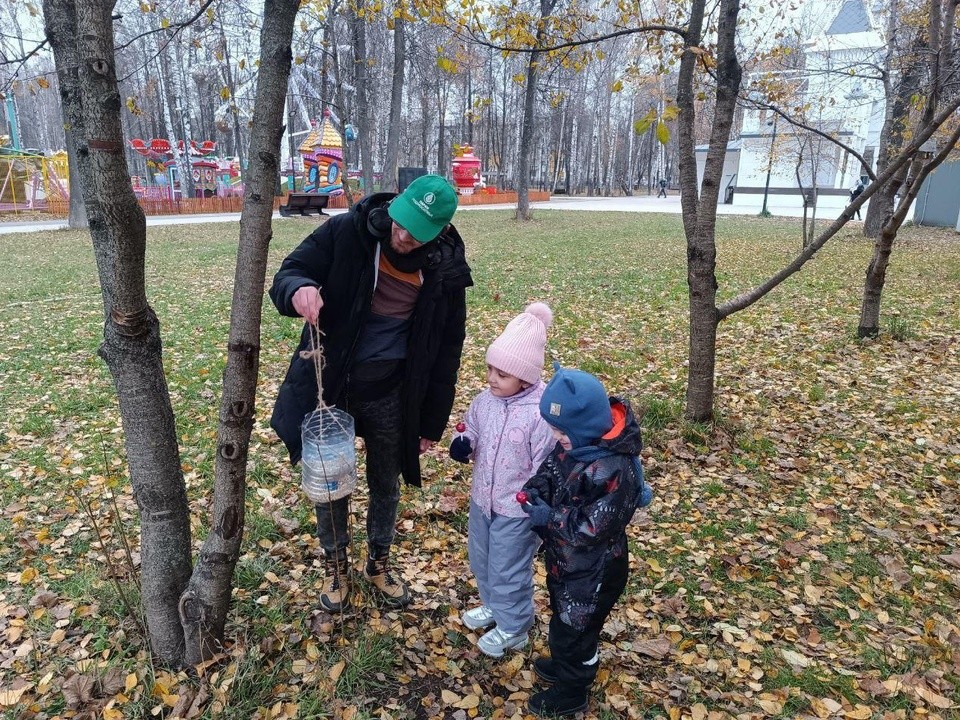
x=379 y=222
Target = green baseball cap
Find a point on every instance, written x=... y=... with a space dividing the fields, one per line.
x=425 y=207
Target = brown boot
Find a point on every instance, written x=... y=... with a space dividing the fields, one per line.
x=392 y=591
x=335 y=594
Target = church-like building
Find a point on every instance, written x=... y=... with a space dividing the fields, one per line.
x=838 y=86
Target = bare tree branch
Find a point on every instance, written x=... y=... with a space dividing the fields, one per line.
x=22 y=61
x=748 y=298
x=471 y=36
x=172 y=29
x=815 y=131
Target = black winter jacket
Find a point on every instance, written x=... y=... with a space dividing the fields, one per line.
x=338 y=257
x=592 y=504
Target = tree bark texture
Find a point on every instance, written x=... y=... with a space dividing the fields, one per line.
x=895 y=121
x=526 y=140
x=883 y=247
x=361 y=78
x=389 y=181
x=77 y=215
x=341 y=105
x=941 y=61
x=81 y=35
x=205 y=604
x=525 y=146
x=699 y=208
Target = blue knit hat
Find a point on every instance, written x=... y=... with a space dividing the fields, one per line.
x=576 y=404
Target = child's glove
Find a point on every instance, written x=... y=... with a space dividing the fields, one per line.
x=538 y=511
x=460 y=449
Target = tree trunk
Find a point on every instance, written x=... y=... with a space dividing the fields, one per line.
x=941 y=51
x=896 y=117
x=342 y=109
x=181 y=159
x=873 y=285
x=441 y=112
x=700 y=208
x=205 y=604
x=389 y=181
x=81 y=36
x=424 y=129
x=234 y=110
x=77 y=216
x=361 y=108
x=526 y=140
x=879 y=210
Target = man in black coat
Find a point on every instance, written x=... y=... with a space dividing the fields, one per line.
x=857 y=192
x=386 y=284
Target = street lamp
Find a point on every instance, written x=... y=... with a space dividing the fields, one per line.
x=766 y=188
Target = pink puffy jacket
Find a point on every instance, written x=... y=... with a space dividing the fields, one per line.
x=509 y=441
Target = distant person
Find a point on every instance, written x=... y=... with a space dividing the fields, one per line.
x=662 y=192
x=580 y=501
x=507 y=440
x=857 y=192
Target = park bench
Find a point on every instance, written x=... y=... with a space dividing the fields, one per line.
x=304 y=204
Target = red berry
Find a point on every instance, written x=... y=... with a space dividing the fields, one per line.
x=522 y=497
x=461 y=427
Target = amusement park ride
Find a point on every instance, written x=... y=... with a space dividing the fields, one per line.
x=212 y=176
x=29 y=180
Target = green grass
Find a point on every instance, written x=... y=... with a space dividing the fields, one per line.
x=813 y=461
x=368 y=665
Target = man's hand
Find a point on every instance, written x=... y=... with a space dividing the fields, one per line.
x=308 y=303
x=426 y=445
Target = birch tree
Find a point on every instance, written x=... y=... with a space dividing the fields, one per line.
x=396 y=97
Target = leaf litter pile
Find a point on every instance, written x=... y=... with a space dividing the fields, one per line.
x=800 y=558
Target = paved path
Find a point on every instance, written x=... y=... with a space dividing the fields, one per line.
x=640 y=203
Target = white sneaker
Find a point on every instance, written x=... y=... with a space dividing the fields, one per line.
x=478 y=617
x=496 y=642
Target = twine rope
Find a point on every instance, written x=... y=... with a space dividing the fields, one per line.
x=315 y=354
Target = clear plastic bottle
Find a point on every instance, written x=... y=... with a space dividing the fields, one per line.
x=329 y=460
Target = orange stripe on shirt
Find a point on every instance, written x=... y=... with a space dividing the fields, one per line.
x=387 y=269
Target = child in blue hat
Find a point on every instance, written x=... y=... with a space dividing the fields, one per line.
x=580 y=501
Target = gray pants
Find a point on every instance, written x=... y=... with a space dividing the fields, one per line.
x=501 y=558
x=381 y=422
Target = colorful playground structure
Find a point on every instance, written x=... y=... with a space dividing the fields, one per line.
x=212 y=176
x=29 y=180
x=322 y=152
x=466 y=170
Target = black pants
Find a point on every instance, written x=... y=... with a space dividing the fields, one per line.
x=574 y=652
x=380 y=420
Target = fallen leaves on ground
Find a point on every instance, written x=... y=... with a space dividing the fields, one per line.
x=800 y=558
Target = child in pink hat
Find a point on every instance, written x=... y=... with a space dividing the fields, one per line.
x=507 y=439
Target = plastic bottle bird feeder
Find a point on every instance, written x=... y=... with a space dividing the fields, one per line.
x=329 y=461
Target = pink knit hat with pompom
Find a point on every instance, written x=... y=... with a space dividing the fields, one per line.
x=519 y=349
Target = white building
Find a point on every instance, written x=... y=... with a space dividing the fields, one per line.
x=777 y=160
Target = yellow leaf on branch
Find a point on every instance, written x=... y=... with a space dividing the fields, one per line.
x=663 y=133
